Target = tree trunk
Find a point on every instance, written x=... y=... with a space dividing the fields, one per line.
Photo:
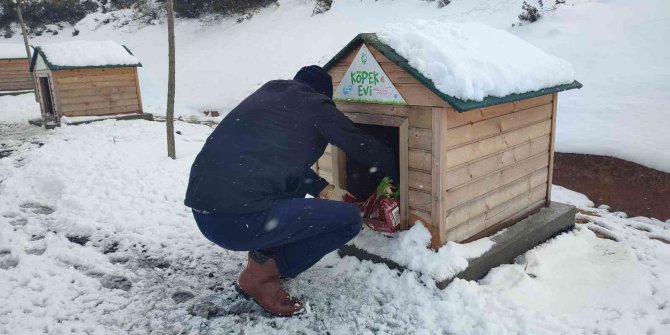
x=25 y=34
x=169 y=117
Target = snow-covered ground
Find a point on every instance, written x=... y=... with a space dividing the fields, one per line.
x=18 y=108
x=94 y=239
x=618 y=49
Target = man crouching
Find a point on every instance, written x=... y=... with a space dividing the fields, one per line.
x=248 y=183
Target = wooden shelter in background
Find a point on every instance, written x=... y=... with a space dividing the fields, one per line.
x=75 y=90
x=14 y=70
x=467 y=168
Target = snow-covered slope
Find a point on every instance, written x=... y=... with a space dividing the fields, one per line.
x=618 y=49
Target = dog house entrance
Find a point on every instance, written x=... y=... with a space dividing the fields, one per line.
x=47 y=102
x=359 y=179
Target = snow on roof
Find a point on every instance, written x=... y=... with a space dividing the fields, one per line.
x=88 y=53
x=471 y=61
x=12 y=51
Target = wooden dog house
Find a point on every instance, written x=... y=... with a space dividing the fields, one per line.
x=14 y=68
x=467 y=168
x=86 y=79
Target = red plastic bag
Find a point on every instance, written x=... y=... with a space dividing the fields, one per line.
x=381 y=211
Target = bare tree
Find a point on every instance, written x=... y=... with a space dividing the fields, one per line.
x=25 y=33
x=169 y=117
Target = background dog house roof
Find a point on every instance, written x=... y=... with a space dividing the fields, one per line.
x=84 y=54
x=13 y=51
x=468 y=65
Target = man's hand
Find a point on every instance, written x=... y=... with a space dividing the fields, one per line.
x=332 y=192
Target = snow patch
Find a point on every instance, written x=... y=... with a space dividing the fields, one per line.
x=570 y=197
x=411 y=249
x=471 y=61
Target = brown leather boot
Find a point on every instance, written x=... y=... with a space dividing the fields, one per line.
x=260 y=282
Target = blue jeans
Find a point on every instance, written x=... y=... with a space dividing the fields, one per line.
x=296 y=233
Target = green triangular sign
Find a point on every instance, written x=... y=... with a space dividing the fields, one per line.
x=365 y=81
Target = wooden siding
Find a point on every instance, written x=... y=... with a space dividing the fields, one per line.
x=15 y=75
x=458 y=119
x=492 y=145
x=498 y=165
x=506 y=214
x=498 y=161
x=105 y=91
x=478 y=187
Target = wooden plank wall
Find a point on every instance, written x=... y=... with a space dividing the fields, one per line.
x=15 y=75
x=93 y=92
x=497 y=165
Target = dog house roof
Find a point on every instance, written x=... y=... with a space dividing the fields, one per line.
x=457 y=70
x=13 y=51
x=84 y=54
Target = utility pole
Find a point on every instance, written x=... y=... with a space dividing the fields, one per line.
x=25 y=34
x=169 y=117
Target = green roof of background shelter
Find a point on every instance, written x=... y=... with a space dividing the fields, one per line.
x=458 y=104
x=38 y=51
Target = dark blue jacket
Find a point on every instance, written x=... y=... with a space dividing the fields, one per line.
x=263 y=149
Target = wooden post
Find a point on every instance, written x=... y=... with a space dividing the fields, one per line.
x=169 y=117
x=25 y=37
x=554 y=104
x=339 y=167
x=439 y=175
x=403 y=184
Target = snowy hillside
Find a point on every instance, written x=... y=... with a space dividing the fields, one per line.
x=94 y=239
x=618 y=49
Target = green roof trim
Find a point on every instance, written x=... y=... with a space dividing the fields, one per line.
x=50 y=66
x=458 y=104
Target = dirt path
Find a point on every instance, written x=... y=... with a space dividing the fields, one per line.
x=622 y=185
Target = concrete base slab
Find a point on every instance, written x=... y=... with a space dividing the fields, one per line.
x=48 y=124
x=509 y=243
x=51 y=124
